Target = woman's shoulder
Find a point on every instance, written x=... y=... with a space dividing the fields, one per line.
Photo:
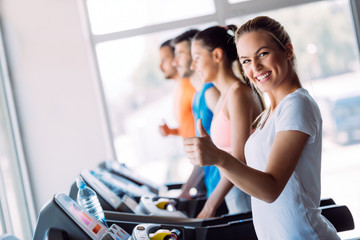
x=242 y=92
x=208 y=85
x=299 y=98
x=243 y=99
x=299 y=103
x=211 y=96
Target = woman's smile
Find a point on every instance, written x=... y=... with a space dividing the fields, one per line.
x=263 y=77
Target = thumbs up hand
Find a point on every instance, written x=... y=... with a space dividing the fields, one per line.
x=201 y=129
x=201 y=150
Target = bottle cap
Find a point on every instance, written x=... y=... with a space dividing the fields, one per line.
x=80 y=183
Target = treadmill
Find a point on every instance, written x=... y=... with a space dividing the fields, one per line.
x=124 y=192
x=120 y=169
x=63 y=219
x=127 y=209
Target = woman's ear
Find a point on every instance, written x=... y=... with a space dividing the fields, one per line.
x=218 y=54
x=289 y=50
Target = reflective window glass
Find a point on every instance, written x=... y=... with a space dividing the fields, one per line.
x=238 y=1
x=324 y=41
x=108 y=16
x=14 y=216
x=139 y=99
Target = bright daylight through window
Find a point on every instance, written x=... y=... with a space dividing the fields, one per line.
x=138 y=96
x=328 y=65
x=16 y=212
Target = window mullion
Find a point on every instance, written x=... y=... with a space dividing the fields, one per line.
x=220 y=8
x=5 y=220
x=16 y=144
x=355 y=9
x=256 y=6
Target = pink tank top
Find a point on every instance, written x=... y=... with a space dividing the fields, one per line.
x=221 y=127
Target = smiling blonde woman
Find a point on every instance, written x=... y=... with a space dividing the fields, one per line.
x=283 y=155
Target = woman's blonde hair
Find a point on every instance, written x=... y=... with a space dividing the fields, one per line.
x=269 y=25
x=275 y=30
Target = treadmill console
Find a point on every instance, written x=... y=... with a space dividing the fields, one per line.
x=83 y=219
x=87 y=222
x=121 y=185
x=122 y=204
x=100 y=188
x=122 y=170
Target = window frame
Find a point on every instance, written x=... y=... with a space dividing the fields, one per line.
x=223 y=10
x=355 y=10
x=17 y=160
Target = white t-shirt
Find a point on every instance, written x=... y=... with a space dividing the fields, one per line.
x=295 y=213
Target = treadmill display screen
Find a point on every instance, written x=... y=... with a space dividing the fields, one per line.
x=83 y=219
x=82 y=215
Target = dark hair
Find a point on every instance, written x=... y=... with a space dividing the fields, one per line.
x=185 y=36
x=219 y=37
x=223 y=37
x=271 y=26
x=167 y=43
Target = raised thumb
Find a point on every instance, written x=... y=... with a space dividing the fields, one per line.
x=201 y=129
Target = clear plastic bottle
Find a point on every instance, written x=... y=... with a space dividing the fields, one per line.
x=88 y=199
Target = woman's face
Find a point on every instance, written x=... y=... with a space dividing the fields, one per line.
x=262 y=60
x=203 y=62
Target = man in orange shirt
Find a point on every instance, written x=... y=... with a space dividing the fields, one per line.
x=184 y=94
x=167 y=56
x=185 y=89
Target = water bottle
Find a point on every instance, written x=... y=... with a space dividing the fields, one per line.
x=88 y=200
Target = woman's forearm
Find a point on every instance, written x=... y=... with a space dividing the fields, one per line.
x=266 y=185
x=219 y=193
x=193 y=180
x=255 y=183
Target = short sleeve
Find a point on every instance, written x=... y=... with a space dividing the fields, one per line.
x=298 y=113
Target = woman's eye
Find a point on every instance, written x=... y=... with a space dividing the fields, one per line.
x=263 y=54
x=245 y=61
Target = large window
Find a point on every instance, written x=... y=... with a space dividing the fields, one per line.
x=112 y=15
x=138 y=102
x=138 y=97
x=328 y=64
x=17 y=213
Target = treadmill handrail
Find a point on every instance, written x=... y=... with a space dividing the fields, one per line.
x=339 y=215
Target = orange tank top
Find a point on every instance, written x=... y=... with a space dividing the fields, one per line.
x=183 y=112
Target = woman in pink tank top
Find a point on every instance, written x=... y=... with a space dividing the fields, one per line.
x=214 y=52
